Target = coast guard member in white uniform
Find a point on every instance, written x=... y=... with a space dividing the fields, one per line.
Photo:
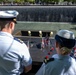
x=14 y=54
x=63 y=64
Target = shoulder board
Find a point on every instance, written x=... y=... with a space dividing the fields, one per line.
x=19 y=40
x=48 y=60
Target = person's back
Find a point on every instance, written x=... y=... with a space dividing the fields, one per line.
x=64 y=65
x=10 y=54
x=14 y=54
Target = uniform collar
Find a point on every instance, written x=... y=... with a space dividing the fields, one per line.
x=5 y=34
x=63 y=57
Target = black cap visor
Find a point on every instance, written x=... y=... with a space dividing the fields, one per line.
x=69 y=43
x=9 y=19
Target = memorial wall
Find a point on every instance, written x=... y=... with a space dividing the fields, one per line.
x=44 y=13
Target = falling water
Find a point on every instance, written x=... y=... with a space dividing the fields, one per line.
x=45 y=13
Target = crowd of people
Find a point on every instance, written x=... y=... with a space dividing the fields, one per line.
x=15 y=56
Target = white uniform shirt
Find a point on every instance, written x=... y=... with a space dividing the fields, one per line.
x=13 y=55
x=64 y=65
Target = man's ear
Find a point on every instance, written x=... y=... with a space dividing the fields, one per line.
x=11 y=25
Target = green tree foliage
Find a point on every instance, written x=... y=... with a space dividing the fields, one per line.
x=32 y=1
x=19 y=1
x=1 y=0
x=61 y=0
x=56 y=0
x=70 y=0
x=50 y=1
x=73 y=1
x=46 y=1
x=25 y=0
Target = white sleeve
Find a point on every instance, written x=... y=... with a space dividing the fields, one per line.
x=26 y=58
x=41 y=71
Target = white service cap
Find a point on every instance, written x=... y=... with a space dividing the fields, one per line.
x=66 y=34
x=66 y=38
x=8 y=15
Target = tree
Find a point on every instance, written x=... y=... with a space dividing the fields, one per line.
x=61 y=0
x=19 y=1
x=1 y=0
x=31 y=1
